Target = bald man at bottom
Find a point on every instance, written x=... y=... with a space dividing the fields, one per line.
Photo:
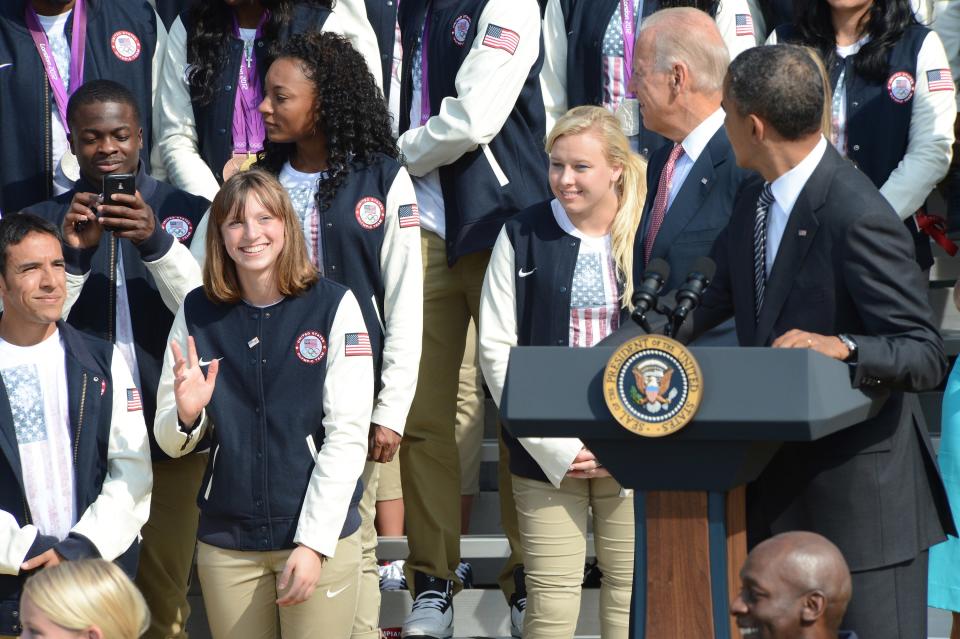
x=795 y=585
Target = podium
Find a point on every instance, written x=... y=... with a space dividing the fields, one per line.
x=690 y=500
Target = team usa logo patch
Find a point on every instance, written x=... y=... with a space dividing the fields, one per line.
x=901 y=86
x=311 y=347
x=125 y=45
x=370 y=213
x=179 y=227
x=357 y=344
x=460 y=28
x=409 y=215
x=652 y=385
x=133 y=400
x=940 y=80
x=501 y=38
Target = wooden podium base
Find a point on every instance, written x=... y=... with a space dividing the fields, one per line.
x=688 y=559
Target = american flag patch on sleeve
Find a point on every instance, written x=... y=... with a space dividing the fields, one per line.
x=357 y=344
x=133 y=400
x=939 y=80
x=501 y=38
x=409 y=215
x=744 y=24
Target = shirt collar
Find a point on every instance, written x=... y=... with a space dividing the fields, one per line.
x=786 y=188
x=697 y=140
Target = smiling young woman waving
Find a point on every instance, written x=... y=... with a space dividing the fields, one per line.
x=286 y=402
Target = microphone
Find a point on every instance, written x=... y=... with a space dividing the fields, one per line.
x=646 y=294
x=689 y=294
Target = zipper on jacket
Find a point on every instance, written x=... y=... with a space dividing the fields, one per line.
x=76 y=441
x=112 y=305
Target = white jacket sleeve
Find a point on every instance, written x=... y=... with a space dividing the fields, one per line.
x=947 y=26
x=347 y=404
x=198 y=245
x=177 y=133
x=176 y=274
x=166 y=423
x=553 y=75
x=402 y=267
x=349 y=19
x=737 y=41
x=931 y=136
x=488 y=84
x=498 y=334
x=157 y=169
x=113 y=521
x=15 y=543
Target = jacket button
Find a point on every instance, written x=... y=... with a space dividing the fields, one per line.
x=856 y=147
x=15 y=614
x=260 y=44
x=259 y=503
x=253 y=360
x=228 y=87
x=259 y=455
x=560 y=341
x=263 y=361
x=856 y=104
x=333 y=267
x=222 y=132
x=255 y=315
x=563 y=289
x=267 y=315
x=329 y=225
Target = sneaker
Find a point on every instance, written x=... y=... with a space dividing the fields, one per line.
x=465 y=573
x=432 y=611
x=391 y=575
x=592 y=577
x=518 y=603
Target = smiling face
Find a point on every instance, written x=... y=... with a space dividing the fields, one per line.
x=33 y=286
x=106 y=138
x=253 y=239
x=289 y=105
x=768 y=606
x=652 y=87
x=581 y=177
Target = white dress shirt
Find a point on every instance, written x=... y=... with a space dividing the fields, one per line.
x=693 y=145
x=786 y=189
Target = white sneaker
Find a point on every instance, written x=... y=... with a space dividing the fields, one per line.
x=518 y=603
x=432 y=612
x=391 y=575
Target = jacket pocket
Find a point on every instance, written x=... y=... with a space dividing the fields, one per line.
x=494 y=165
x=312 y=447
x=213 y=467
x=376 y=311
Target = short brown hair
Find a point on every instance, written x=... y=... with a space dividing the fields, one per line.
x=295 y=274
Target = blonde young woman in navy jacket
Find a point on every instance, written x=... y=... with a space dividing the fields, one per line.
x=568 y=257
x=286 y=403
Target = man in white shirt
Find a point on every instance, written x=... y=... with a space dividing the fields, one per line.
x=75 y=475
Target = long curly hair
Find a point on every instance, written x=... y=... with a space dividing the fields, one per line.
x=884 y=23
x=351 y=113
x=208 y=41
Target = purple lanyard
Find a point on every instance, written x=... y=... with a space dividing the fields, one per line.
x=248 y=130
x=424 y=83
x=627 y=19
x=77 y=50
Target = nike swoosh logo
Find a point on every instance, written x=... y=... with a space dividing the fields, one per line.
x=523 y=273
x=208 y=362
x=4 y=66
x=333 y=593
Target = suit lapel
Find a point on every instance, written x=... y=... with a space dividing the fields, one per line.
x=796 y=242
x=695 y=188
x=654 y=169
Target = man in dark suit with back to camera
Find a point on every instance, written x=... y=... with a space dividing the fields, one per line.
x=677 y=78
x=814 y=257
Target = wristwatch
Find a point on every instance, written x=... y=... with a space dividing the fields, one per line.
x=851 y=346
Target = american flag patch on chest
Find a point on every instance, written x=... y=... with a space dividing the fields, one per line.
x=501 y=38
x=133 y=400
x=355 y=344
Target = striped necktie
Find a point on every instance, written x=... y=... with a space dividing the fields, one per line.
x=659 y=208
x=760 y=246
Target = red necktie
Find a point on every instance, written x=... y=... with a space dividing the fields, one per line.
x=660 y=202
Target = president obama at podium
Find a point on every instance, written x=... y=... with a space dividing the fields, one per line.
x=814 y=257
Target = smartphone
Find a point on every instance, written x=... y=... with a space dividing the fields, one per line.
x=120 y=183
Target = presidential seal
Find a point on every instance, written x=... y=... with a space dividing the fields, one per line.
x=652 y=385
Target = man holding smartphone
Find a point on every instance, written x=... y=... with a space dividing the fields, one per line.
x=127 y=235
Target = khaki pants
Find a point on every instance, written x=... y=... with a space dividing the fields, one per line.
x=553 y=533
x=240 y=594
x=169 y=537
x=366 y=623
x=430 y=462
x=469 y=424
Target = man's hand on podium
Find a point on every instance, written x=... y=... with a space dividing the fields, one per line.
x=829 y=345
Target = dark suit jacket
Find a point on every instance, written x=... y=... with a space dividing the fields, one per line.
x=845 y=265
x=698 y=213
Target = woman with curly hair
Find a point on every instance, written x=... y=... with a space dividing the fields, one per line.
x=891 y=74
x=213 y=77
x=329 y=142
